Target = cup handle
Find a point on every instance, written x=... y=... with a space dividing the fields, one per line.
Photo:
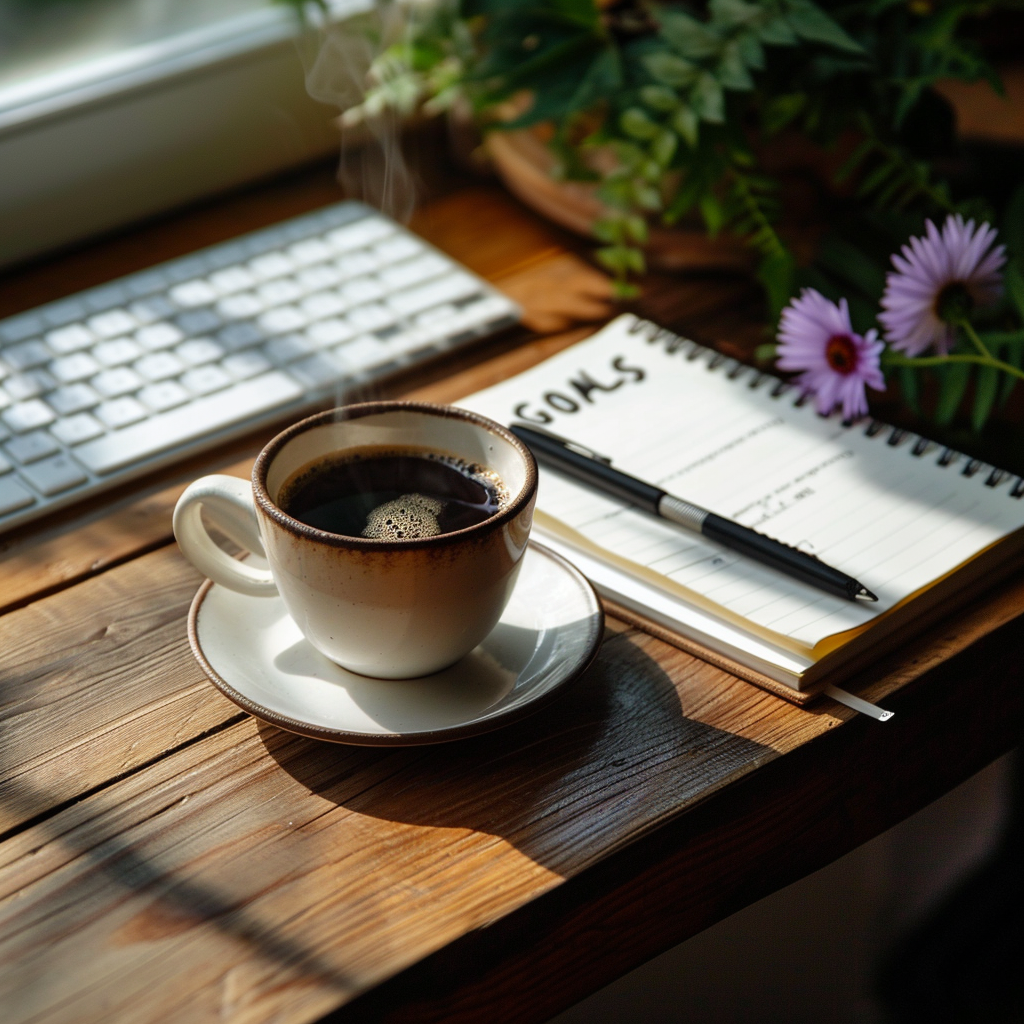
x=228 y=502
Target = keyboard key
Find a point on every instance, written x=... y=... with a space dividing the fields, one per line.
x=72 y=398
x=113 y=323
x=317 y=307
x=355 y=236
x=414 y=271
x=55 y=475
x=317 y=371
x=199 y=351
x=199 y=321
x=118 y=381
x=159 y=366
x=355 y=264
x=165 y=394
x=148 y=310
x=397 y=248
x=365 y=290
x=315 y=279
x=30 y=447
x=28 y=385
x=311 y=250
x=204 y=379
x=241 y=307
x=239 y=336
x=115 y=353
x=28 y=415
x=371 y=317
x=77 y=366
x=446 y=289
x=195 y=421
x=193 y=293
x=329 y=332
x=119 y=412
x=158 y=336
x=274 y=293
x=273 y=264
x=75 y=429
x=242 y=365
x=14 y=495
x=27 y=355
x=231 y=280
x=365 y=353
x=284 y=318
x=70 y=339
x=283 y=350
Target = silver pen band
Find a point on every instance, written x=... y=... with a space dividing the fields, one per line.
x=682 y=513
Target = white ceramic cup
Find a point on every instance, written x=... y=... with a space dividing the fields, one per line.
x=390 y=608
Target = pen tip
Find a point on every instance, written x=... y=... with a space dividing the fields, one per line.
x=865 y=595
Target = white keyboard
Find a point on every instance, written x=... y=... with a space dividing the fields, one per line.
x=117 y=380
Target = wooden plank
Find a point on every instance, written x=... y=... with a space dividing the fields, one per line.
x=98 y=680
x=230 y=879
x=777 y=825
x=249 y=851
x=121 y=635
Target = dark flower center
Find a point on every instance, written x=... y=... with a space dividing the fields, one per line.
x=953 y=304
x=841 y=353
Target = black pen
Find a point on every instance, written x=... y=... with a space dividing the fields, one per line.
x=596 y=471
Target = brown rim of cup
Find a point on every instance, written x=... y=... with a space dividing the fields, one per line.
x=354 y=412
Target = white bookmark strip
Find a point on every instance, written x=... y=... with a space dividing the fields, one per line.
x=863 y=706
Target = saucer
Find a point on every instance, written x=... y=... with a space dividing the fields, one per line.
x=255 y=655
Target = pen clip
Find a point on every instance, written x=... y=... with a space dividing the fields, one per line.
x=573 y=446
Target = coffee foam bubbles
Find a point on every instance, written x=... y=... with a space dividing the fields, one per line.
x=406 y=518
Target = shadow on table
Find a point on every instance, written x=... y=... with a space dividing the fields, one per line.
x=613 y=754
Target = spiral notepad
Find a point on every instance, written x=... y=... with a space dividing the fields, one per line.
x=896 y=511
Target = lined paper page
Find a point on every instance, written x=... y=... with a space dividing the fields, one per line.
x=894 y=520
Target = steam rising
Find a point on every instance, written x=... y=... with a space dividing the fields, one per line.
x=337 y=59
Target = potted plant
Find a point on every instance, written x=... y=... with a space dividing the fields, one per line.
x=626 y=117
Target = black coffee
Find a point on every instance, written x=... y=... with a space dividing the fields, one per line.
x=390 y=495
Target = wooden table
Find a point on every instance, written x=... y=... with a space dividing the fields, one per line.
x=166 y=858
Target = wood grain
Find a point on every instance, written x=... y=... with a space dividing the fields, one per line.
x=165 y=858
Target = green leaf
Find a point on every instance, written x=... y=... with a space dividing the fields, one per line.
x=636 y=123
x=781 y=110
x=984 y=395
x=810 y=22
x=708 y=99
x=775 y=272
x=663 y=148
x=854 y=160
x=670 y=70
x=751 y=50
x=777 y=32
x=686 y=122
x=732 y=72
x=952 y=384
x=636 y=229
x=909 y=388
x=689 y=37
x=657 y=97
x=713 y=213
x=734 y=12
x=766 y=352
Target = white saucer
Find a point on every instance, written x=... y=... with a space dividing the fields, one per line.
x=255 y=655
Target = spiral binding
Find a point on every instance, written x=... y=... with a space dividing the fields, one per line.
x=655 y=334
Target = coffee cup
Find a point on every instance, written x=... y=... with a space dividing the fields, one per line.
x=420 y=585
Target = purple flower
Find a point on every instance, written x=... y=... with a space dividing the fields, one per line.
x=939 y=279
x=815 y=336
